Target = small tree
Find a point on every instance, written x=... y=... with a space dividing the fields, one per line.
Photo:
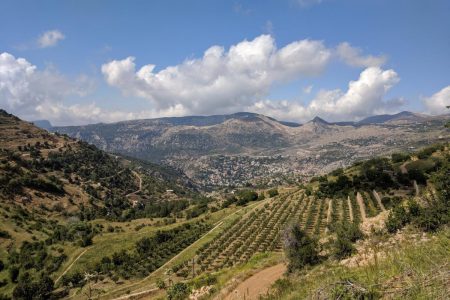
x=273 y=193
x=300 y=249
x=161 y=284
x=347 y=233
x=178 y=291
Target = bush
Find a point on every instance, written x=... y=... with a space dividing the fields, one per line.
x=246 y=196
x=399 y=157
x=178 y=291
x=347 y=234
x=28 y=289
x=204 y=280
x=5 y=234
x=299 y=248
x=397 y=218
x=74 y=279
x=14 y=273
x=160 y=284
x=273 y=193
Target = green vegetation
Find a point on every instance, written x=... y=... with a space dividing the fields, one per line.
x=149 y=253
x=412 y=270
x=299 y=248
x=346 y=234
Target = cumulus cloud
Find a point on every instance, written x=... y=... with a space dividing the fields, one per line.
x=237 y=79
x=220 y=80
x=353 y=57
x=364 y=97
x=437 y=103
x=26 y=91
x=79 y=114
x=50 y=38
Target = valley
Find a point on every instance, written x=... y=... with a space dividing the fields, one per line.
x=107 y=226
x=246 y=148
x=224 y=150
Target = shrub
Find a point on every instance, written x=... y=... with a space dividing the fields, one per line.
x=28 y=289
x=347 y=234
x=204 y=280
x=397 y=218
x=5 y=234
x=299 y=248
x=399 y=157
x=272 y=193
x=246 y=196
x=178 y=291
x=160 y=284
x=14 y=273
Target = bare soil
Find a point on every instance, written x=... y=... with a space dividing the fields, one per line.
x=361 y=205
x=258 y=284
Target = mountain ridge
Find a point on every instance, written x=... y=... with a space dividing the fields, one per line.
x=224 y=149
x=209 y=120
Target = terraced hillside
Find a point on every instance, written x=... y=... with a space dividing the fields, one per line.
x=261 y=230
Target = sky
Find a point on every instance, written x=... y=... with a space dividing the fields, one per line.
x=79 y=62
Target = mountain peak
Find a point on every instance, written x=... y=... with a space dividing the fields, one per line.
x=318 y=120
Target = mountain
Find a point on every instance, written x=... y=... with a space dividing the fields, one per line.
x=61 y=198
x=228 y=150
x=401 y=116
x=44 y=124
x=42 y=170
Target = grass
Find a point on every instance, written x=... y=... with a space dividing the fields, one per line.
x=412 y=271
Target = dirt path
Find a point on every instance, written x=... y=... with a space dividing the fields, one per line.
x=350 y=208
x=140 y=184
x=70 y=266
x=258 y=284
x=380 y=204
x=362 y=207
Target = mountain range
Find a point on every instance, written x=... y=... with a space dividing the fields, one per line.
x=220 y=150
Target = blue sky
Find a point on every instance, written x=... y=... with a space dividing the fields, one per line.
x=400 y=49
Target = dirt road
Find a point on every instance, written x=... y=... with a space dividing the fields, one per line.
x=70 y=266
x=258 y=284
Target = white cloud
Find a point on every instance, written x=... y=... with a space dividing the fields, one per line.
x=228 y=81
x=437 y=103
x=50 y=38
x=363 y=98
x=80 y=114
x=25 y=91
x=221 y=80
x=353 y=57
